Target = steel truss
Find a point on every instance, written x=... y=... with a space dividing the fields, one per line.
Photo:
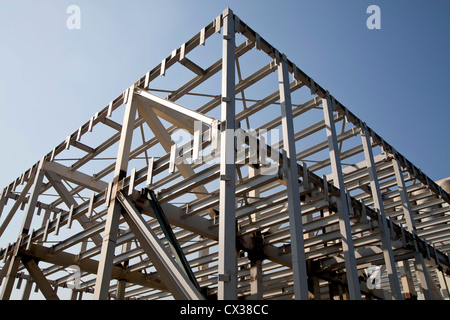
x=338 y=201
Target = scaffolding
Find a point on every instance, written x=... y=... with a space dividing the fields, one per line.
x=225 y=172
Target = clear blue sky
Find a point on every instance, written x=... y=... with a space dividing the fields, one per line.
x=53 y=79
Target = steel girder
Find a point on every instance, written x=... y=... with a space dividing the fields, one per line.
x=338 y=198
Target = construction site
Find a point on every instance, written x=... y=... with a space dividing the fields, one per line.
x=235 y=176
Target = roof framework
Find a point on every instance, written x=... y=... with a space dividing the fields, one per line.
x=272 y=188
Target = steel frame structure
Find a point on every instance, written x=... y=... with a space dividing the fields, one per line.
x=341 y=199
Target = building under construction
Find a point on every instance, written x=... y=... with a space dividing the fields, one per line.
x=225 y=172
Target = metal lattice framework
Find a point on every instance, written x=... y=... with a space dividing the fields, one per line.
x=306 y=215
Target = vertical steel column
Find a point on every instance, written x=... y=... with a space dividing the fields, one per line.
x=18 y=202
x=120 y=289
x=13 y=267
x=227 y=285
x=114 y=208
x=14 y=262
x=27 y=289
x=256 y=274
x=422 y=275
x=254 y=194
x=443 y=283
x=32 y=200
x=343 y=210
x=295 y=215
x=419 y=262
x=74 y=294
x=378 y=205
x=406 y=207
x=316 y=288
x=2 y=203
x=407 y=281
x=203 y=253
x=122 y=283
x=256 y=283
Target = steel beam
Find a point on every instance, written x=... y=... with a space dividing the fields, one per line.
x=69 y=200
x=256 y=280
x=407 y=281
x=112 y=221
x=227 y=281
x=171 y=273
x=166 y=142
x=426 y=285
x=90 y=266
x=26 y=223
x=209 y=72
x=39 y=278
x=11 y=268
x=419 y=262
x=262 y=206
x=27 y=290
x=443 y=284
x=21 y=199
x=164 y=105
x=343 y=210
x=75 y=176
x=402 y=189
x=378 y=205
x=32 y=200
x=295 y=214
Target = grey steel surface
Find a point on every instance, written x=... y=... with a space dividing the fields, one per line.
x=359 y=202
